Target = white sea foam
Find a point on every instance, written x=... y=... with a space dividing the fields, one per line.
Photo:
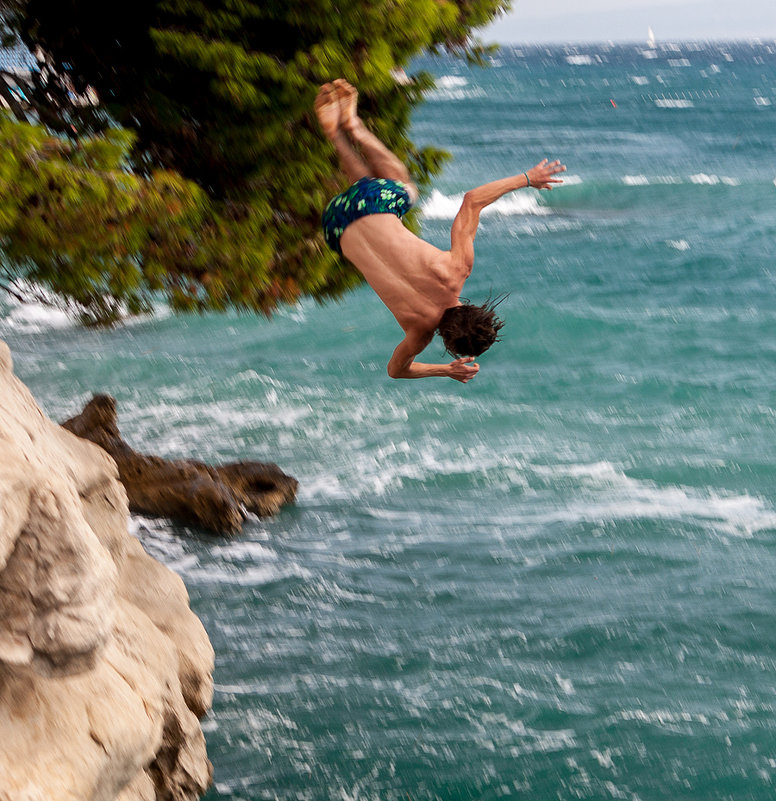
x=677 y=721
x=439 y=206
x=699 y=178
x=572 y=180
x=451 y=81
x=445 y=207
x=607 y=493
x=244 y=563
x=635 y=180
x=244 y=551
x=492 y=726
x=378 y=471
x=640 y=80
x=33 y=318
x=454 y=87
x=604 y=758
x=713 y=180
x=705 y=179
x=581 y=59
x=678 y=244
x=36 y=317
x=673 y=102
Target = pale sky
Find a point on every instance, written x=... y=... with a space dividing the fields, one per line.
x=629 y=20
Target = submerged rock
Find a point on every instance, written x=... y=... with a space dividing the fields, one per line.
x=104 y=668
x=186 y=490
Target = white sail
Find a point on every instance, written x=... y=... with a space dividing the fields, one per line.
x=650 y=38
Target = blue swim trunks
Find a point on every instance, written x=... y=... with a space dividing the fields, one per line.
x=366 y=196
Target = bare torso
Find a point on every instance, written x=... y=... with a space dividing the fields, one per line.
x=414 y=279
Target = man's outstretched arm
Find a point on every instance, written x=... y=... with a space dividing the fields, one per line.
x=403 y=364
x=542 y=176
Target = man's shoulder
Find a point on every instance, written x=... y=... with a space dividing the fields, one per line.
x=450 y=272
x=418 y=332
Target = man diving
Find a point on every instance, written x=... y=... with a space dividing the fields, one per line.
x=419 y=283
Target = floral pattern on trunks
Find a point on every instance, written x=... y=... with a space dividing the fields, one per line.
x=366 y=196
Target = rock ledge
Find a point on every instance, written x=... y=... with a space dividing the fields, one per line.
x=104 y=668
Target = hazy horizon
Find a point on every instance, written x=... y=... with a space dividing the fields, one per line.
x=628 y=21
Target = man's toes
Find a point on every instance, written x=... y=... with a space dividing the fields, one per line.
x=327 y=109
x=344 y=90
x=324 y=94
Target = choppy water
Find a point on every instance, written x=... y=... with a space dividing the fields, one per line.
x=555 y=582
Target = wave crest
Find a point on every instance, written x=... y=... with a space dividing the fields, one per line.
x=444 y=207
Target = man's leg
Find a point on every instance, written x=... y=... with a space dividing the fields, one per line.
x=327 y=108
x=382 y=162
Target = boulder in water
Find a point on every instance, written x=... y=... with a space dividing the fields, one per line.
x=185 y=490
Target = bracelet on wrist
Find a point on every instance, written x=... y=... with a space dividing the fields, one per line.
x=527 y=179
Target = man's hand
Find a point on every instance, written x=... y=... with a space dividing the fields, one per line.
x=403 y=364
x=463 y=369
x=541 y=176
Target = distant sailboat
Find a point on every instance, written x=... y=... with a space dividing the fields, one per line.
x=651 y=51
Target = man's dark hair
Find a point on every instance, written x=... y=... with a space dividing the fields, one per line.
x=468 y=330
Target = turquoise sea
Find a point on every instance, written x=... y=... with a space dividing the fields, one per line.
x=556 y=581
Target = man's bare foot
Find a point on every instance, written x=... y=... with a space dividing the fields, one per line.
x=327 y=109
x=348 y=100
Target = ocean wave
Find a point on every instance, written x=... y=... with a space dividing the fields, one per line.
x=454 y=87
x=445 y=207
x=674 y=180
x=635 y=180
x=378 y=472
x=580 y=60
x=243 y=562
x=34 y=318
x=591 y=492
x=712 y=180
x=673 y=102
x=37 y=318
x=606 y=493
x=679 y=722
x=451 y=82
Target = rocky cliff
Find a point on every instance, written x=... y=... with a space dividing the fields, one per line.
x=104 y=669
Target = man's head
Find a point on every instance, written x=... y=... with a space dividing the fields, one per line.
x=468 y=330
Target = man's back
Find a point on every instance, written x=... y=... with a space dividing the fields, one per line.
x=414 y=279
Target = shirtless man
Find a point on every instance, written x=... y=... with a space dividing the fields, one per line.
x=420 y=284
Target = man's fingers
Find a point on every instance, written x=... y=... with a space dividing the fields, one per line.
x=465 y=368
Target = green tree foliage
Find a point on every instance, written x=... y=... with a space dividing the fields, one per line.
x=219 y=93
x=75 y=221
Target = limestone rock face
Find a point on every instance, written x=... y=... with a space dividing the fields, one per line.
x=104 y=669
